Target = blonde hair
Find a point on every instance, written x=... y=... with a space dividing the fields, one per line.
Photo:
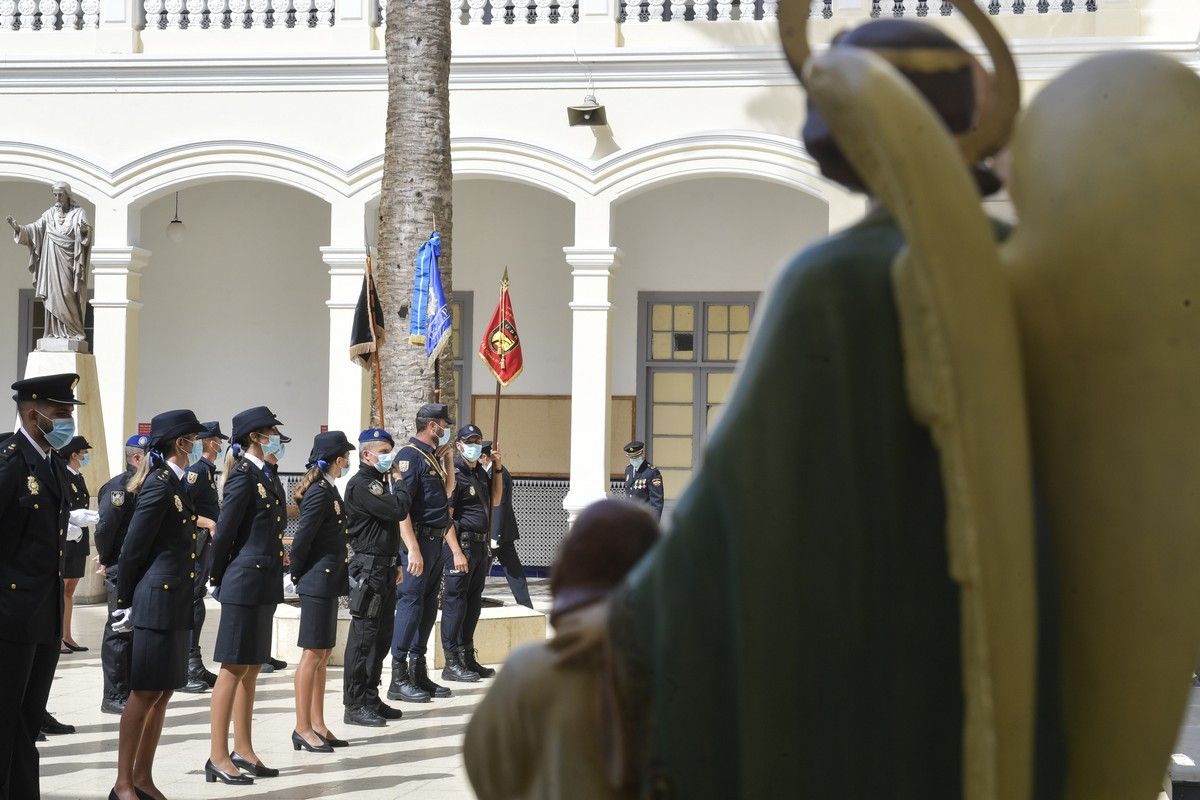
x=231 y=461
x=139 y=475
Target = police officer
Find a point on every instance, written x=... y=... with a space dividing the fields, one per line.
x=75 y=554
x=154 y=594
x=643 y=482
x=34 y=514
x=200 y=484
x=116 y=509
x=428 y=472
x=505 y=531
x=467 y=555
x=377 y=503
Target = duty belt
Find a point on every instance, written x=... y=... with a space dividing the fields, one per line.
x=432 y=534
x=377 y=561
x=472 y=536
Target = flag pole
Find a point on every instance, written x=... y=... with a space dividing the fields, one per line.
x=496 y=410
x=375 y=354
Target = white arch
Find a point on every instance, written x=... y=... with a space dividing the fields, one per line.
x=39 y=164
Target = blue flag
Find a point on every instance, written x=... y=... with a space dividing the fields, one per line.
x=430 y=316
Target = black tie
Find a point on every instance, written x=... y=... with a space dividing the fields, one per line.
x=269 y=470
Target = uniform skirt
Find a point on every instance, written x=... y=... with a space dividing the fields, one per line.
x=75 y=555
x=318 y=622
x=244 y=635
x=159 y=659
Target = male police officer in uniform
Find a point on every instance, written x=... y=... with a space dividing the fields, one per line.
x=643 y=482
x=200 y=485
x=424 y=464
x=505 y=531
x=34 y=515
x=377 y=505
x=116 y=510
x=467 y=555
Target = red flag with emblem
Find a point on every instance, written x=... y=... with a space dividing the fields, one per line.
x=501 y=347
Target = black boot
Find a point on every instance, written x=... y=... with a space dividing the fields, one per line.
x=360 y=715
x=456 y=668
x=387 y=712
x=195 y=683
x=403 y=687
x=416 y=666
x=197 y=670
x=112 y=705
x=474 y=665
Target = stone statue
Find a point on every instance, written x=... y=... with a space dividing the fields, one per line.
x=60 y=250
x=879 y=608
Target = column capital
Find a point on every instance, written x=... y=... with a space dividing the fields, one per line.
x=343 y=259
x=600 y=259
x=119 y=260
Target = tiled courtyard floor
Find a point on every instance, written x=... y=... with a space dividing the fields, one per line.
x=418 y=756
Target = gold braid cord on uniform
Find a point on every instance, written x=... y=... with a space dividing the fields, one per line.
x=1069 y=353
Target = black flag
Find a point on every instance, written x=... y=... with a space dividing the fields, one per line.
x=367 y=333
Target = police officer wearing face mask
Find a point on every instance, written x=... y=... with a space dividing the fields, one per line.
x=426 y=467
x=467 y=556
x=116 y=510
x=200 y=484
x=643 y=482
x=377 y=505
x=505 y=531
x=34 y=514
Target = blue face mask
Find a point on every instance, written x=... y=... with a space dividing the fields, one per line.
x=61 y=432
x=472 y=452
x=444 y=439
x=384 y=464
x=87 y=459
x=636 y=463
x=273 y=446
x=197 y=452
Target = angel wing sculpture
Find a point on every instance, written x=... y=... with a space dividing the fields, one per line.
x=1074 y=342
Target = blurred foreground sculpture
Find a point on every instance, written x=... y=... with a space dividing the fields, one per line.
x=903 y=628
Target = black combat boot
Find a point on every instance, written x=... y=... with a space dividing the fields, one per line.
x=361 y=715
x=473 y=664
x=195 y=682
x=416 y=666
x=456 y=668
x=403 y=687
x=197 y=670
x=387 y=712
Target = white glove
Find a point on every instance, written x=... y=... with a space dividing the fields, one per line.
x=495 y=543
x=122 y=620
x=74 y=533
x=84 y=518
x=289 y=588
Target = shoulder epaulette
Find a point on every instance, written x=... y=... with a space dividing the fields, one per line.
x=243 y=466
x=161 y=473
x=8 y=450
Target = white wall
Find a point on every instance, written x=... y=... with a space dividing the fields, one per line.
x=711 y=234
x=498 y=224
x=24 y=202
x=235 y=315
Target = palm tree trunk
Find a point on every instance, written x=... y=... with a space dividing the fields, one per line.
x=416 y=196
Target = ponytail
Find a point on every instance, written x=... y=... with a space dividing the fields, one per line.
x=139 y=475
x=232 y=456
x=312 y=476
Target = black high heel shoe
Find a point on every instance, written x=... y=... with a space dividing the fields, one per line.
x=299 y=741
x=332 y=740
x=112 y=795
x=212 y=775
x=258 y=770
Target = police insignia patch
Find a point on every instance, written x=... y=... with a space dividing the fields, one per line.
x=472 y=491
x=657 y=481
x=118 y=499
x=34 y=487
x=262 y=491
x=375 y=488
x=192 y=477
x=178 y=503
x=337 y=507
x=403 y=465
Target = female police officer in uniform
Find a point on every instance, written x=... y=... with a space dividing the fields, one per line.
x=318 y=564
x=75 y=554
x=247 y=569
x=154 y=596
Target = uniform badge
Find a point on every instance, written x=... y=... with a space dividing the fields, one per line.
x=34 y=487
x=192 y=477
x=178 y=503
x=262 y=491
x=118 y=499
x=472 y=491
x=375 y=488
x=337 y=507
x=403 y=465
x=657 y=482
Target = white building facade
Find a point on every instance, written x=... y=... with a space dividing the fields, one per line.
x=637 y=251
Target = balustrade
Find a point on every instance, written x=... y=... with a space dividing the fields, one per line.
x=49 y=15
x=188 y=14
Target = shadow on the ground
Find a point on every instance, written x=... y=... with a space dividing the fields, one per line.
x=338 y=788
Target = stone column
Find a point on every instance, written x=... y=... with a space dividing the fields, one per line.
x=598 y=27
x=349 y=387
x=592 y=261
x=118 y=25
x=117 y=266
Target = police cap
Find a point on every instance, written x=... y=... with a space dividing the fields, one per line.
x=487 y=447
x=376 y=435
x=48 y=388
x=74 y=446
x=469 y=430
x=434 y=411
x=328 y=446
x=253 y=419
x=138 y=440
x=635 y=447
x=172 y=424
x=212 y=430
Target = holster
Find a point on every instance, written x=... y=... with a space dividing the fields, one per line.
x=364 y=601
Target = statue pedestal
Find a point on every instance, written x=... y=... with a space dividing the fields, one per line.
x=89 y=423
x=62 y=346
